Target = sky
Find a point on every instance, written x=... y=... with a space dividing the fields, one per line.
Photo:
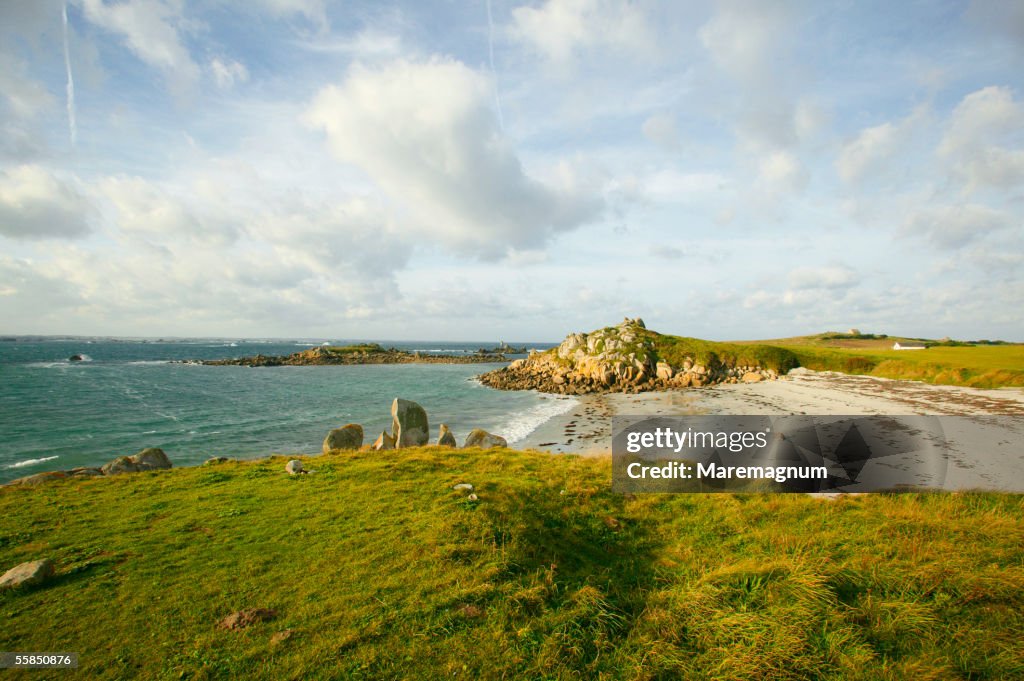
x=511 y=170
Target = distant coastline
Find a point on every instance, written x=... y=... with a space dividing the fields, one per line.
x=365 y=353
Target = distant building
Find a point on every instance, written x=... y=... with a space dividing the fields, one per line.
x=854 y=332
x=907 y=346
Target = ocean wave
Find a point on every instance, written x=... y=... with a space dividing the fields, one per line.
x=521 y=424
x=31 y=462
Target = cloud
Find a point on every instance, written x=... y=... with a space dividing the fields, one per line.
x=872 y=147
x=34 y=204
x=148 y=210
x=561 y=30
x=425 y=133
x=660 y=128
x=829 y=277
x=151 y=30
x=979 y=139
x=227 y=72
x=781 y=171
x=314 y=10
x=956 y=225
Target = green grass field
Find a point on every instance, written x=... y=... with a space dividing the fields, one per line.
x=383 y=571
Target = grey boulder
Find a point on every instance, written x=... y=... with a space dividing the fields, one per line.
x=409 y=423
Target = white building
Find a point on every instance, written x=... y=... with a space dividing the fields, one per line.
x=907 y=346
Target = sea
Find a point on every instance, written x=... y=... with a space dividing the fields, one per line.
x=126 y=395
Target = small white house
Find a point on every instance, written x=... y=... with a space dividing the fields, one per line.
x=907 y=346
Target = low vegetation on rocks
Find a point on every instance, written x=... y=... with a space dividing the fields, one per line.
x=632 y=358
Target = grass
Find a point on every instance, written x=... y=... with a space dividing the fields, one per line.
x=383 y=571
x=353 y=349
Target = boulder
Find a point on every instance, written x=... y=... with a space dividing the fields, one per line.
x=152 y=458
x=346 y=437
x=383 y=441
x=445 y=437
x=244 y=618
x=76 y=358
x=409 y=424
x=752 y=377
x=37 y=479
x=294 y=467
x=83 y=472
x=478 y=437
x=664 y=371
x=463 y=486
x=27 y=574
x=213 y=461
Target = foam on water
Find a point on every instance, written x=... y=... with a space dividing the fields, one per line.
x=31 y=462
x=521 y=424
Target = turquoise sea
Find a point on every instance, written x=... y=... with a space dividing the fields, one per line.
x=127 y=395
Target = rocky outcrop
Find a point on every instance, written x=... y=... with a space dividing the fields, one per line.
x=347 y=437
x=27 y=574
x=478 y=437
x=356 y=354
x=622 y=358
x=149 y=459
x=409 y=425
x=294 y=467
x=445 y=438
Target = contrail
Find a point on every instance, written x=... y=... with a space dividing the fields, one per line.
x=494 y=74
x=72 y=126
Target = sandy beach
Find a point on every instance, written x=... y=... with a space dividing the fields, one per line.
x=997 y=464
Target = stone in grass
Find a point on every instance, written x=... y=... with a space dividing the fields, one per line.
x=478 y=437
x=149 y=459
x=281 y=636
x=445 y=438
x=245 y=618
x=294 y=467
x=213 y=461
x=463 y=486
x=346 y=437
x=383 y=441
x=409 y=424
x=27 y=574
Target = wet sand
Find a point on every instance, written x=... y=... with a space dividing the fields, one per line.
x=994 y=459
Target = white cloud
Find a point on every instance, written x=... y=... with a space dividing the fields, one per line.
x=34 y=204
x=227 y=72
x=148 y=210
x=979 y=140
x=151 y=30
x=314 y=10
x=24 y=96
x=781 y=171
x=562 y=29
x=872 y=147
x=953 y=226
x=425 y=133
x=829 y=277
x=660 y=128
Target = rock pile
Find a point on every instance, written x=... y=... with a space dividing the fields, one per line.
x=410 y=427
x=150 y=459
x=616 y=359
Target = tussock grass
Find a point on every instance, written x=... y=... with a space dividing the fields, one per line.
x=383 y=571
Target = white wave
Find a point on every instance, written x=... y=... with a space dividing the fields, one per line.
x=31 y=462
x=521 y=424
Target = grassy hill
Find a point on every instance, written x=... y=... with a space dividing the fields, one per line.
x=382 y=571
x=982 y=364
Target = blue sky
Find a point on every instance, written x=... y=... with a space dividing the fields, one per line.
x=459 y=170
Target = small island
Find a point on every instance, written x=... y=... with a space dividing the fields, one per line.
x=363 y=353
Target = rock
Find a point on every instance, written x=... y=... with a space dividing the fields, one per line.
x=463 y=486
x=149 y=459
x=281 y=636
x=664 y=371
x=83 y=472
x=479 y=437
x=473 y=497
x=347 y=437
x=294 y=467
x=445 y=438
x=752 y=377
x=244 y=618
x=76 y=358
x=37 y=479
x=409 y=424
x=213 y=461
x=383 y=441
x=27 y=574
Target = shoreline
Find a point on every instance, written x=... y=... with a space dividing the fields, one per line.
x=586 y=429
